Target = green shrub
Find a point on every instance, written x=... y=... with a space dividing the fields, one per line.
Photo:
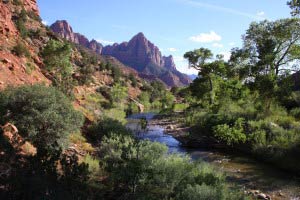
x=42 y=114
x=133 y=80
x=295 y=112
x=21 y=50
x=20 y=23
x=231 y=135
x=29 y=67
x=106 y=127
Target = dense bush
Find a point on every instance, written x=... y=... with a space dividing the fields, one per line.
x=42 y=114
x=21 y=50
x=144 y=170
x=57 y=60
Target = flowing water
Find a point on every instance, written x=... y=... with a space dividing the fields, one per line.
x=242 y=171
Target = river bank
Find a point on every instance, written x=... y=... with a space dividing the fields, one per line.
x=250 y=175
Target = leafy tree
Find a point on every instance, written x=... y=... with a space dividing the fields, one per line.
x=57 y=59
x=295 y=6
x=198 y=59
x=272 y=46
x=42 y=114
x=118 y=93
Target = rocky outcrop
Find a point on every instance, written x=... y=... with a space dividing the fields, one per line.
x=7 y=26
x=169 y=62
x=64 y=30
x=31 y=6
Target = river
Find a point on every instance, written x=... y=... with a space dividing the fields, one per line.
x=246 y=173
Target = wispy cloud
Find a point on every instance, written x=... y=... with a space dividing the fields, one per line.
x=221 y=8
x=105 y=42
x=260 y=13
x=45 y=22
x=206 y=37
x=172 y=49
x=218 y=45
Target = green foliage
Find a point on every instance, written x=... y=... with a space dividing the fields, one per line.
x=21 y=50
x=118 y=94
x=57 y=59
x=42 y=114
x=20 y=23
x=144 y=170
x=106 y=127
x=116 y=73
x=295 y=6
x=29 y=67
x=231 y=135
x=133 y=80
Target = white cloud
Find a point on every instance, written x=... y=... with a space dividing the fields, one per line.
x=45 y=22
x=178 y=59
x=172 y=49
x=260 y=13
x=226 y=55
x=206 y=37
x=105 y=42
x=220 y=8
x=231 y=43
x=217 y=45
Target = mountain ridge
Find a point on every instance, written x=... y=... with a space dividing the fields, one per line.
x=138 y=53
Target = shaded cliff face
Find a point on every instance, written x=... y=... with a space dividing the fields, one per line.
x=139 y=53
x=64 y=30
x=146 y=58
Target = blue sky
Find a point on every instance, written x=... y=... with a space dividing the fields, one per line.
x=175 y=26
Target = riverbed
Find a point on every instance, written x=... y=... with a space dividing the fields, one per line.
x=246 y=173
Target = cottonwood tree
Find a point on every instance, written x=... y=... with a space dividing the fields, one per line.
x=295 y=6
x=201 y=60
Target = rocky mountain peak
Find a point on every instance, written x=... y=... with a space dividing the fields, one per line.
x=64 y=30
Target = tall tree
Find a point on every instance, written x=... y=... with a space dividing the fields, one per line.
x=199 y=59
x=272 y=47
x=295 y=6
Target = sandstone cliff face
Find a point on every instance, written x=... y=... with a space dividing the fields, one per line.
x=7 y=27
x=31 y=6
x=64 y=30
x=18 y=70
x=139 y=53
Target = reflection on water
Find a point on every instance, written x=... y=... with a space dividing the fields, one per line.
x=241 y=170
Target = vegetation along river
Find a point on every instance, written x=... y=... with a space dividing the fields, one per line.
x=248 y=174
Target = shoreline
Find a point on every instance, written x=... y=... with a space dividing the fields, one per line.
x=175 y=129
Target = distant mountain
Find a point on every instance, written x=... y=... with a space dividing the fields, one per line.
x=64 y=30
x=139 y=53
x=193 y=76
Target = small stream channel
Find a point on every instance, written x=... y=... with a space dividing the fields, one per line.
x=242 y=171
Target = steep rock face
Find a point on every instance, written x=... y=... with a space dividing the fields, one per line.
x=169 y=62
x=7 y=26
x=146 y=58
x=95 y=46
x=18 y=70
x=31 y=6
x=137 y=53
x=64 y=30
